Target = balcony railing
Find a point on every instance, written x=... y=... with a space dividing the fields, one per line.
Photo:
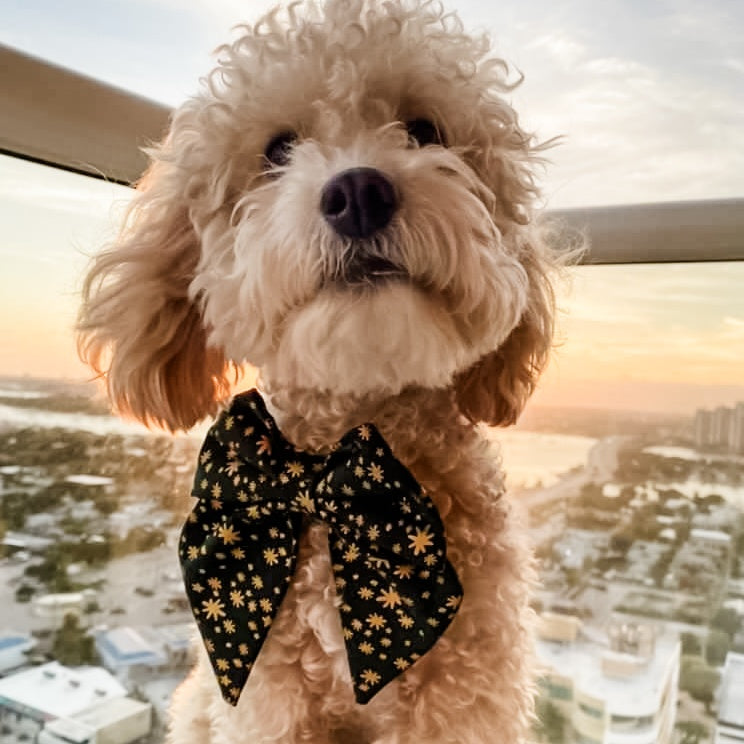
x=61 y=118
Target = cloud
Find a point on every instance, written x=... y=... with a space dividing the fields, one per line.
x=561 y=48
x=733 y=330
x=644 y=118
x=654 y=322
x=220 y=14
x=737 y=65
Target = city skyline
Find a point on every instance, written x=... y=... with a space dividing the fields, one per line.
x=721 y=427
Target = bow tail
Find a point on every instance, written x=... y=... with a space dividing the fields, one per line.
x=235 y=590
x=391 y=614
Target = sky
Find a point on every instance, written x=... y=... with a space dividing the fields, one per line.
x=646 y=93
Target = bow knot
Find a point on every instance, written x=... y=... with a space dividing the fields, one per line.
x=238 y=547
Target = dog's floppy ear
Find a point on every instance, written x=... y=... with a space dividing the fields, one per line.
x=138 y=327
x=495 y=389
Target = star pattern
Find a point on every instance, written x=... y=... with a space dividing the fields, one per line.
x=238 y=548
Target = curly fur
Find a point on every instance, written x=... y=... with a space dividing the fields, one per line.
x=223 y=262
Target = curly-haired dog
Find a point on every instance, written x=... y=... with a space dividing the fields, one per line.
x=348 y=206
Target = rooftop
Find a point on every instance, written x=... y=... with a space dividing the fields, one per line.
x=111 y=711
x=712 y=535
x=14 y=640
x=126 y=645
x=84 y=727
x=84 y=479
x=585 y=661
x=53 y=690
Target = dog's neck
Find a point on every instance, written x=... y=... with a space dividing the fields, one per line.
x=424 y=428
x=314 y=420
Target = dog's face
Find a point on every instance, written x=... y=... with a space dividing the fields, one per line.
x=345 y=206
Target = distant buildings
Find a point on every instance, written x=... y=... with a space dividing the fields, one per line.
x=55 y=607
x=160 y=648
x=620 y=689
x=575 y=547
x=55 y=704
x=722 y=427
x=151 y=661
x=118 y=721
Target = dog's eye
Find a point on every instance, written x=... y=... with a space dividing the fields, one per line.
x=279 y=147
x=424 y=132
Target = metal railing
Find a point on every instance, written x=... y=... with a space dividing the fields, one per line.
x=61 y=118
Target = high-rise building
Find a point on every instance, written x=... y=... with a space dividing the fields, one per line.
x=736 y=435
x=616 y=690
x=703 y=428
x=722 y=427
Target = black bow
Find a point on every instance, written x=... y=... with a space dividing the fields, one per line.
x=238 y=549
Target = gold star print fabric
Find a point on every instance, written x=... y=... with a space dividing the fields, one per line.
x=398 y=592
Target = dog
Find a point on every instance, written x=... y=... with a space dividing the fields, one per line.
x=349 y=205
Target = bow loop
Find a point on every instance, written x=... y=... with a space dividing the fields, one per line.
x=370 y=499
x=238 y=547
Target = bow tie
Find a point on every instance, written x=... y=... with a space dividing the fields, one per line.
x=397 y=590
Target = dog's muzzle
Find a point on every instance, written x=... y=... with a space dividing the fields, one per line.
x=358 y=202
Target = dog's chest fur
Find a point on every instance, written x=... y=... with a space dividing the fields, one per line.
x=456 y=466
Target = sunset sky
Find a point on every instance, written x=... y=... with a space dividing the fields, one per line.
x=648 y=96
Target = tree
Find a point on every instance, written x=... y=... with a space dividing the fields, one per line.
x=717 y=646
x=699 y=679
x=24 y=593
x=140 y=539
x=692 y=732
x=620 y=542
x=72 y=645
x=727 y=620
x=52 y=571
x=691 y=645
x=551 y=723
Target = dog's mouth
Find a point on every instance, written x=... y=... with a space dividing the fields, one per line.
x=369 y=270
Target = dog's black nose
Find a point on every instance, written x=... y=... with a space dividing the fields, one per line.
x=358 y=202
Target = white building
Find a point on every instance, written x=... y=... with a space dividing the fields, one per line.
x=54 y=607
x=620 y=689
x=161 y=647
x=35 y=696
x=730 y=724
x=721 y=425
x=23 y=541
x=710 y=538
x=116 y=721
x=703 y=428
x=123 y=647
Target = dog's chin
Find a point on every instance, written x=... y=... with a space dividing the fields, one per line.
x=376 y=338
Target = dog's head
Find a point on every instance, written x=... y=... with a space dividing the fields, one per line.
x=347 y=205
